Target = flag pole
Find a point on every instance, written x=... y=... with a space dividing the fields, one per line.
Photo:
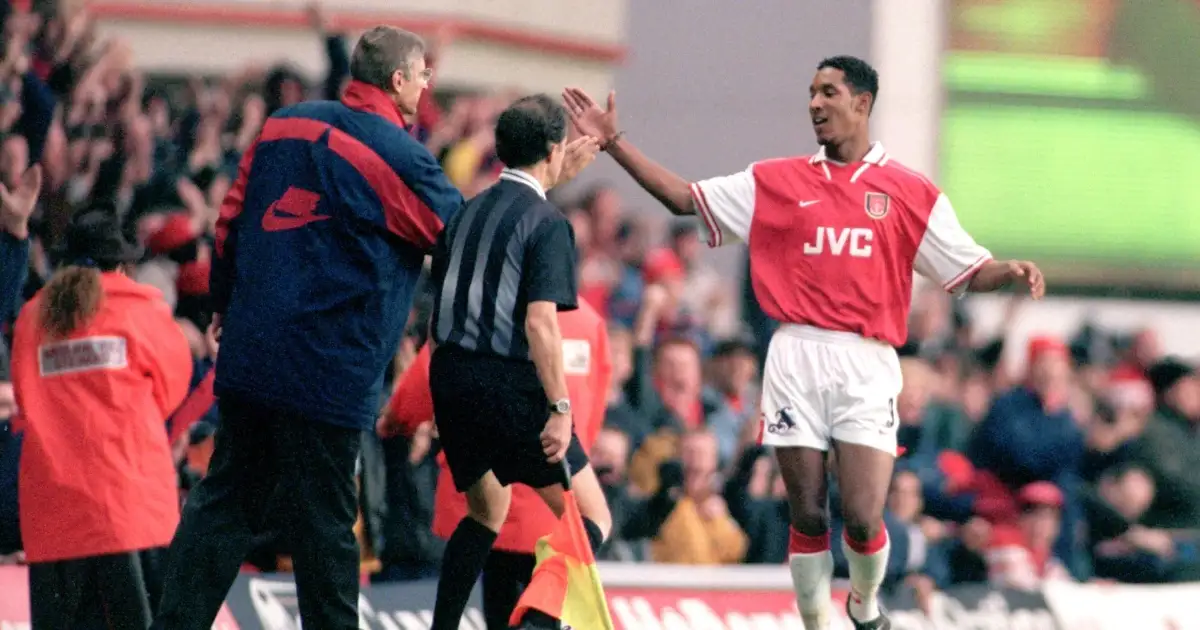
x=566 y=472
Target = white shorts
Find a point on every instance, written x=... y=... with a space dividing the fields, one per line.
x=821 y=385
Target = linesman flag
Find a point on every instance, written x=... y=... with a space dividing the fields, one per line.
x=566 y=584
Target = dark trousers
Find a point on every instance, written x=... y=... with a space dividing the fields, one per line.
x=110 y=591
x=269 y=467
x=505 y=577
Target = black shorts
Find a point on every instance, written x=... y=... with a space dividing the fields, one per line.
x=490 y=413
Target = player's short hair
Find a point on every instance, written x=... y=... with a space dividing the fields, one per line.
x=859 y=75
x=383 y=50
x=525 y=131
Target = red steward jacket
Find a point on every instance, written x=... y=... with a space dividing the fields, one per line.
x=96 y=472
x=585 y=350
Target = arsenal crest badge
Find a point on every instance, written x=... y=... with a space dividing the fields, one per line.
x=877 y=205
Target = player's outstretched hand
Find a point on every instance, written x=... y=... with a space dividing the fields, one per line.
x=580 y=152
x=1029 y=273
x=588 y=118
x=556 y=437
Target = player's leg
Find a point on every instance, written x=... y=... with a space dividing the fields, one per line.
x=505 y=577
x=597 y=519
x=809 y=555
x=56 y=593
x=121 y=590
x=321 y=493
x=547 y=479
x=864 y=473
x=474 y=414
x=864 y=436
x=468 y=548
x=218 y=521
x=794 y=422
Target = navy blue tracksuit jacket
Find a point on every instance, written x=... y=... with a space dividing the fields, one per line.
x=319 y=246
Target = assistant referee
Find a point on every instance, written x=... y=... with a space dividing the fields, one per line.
x=502 y=269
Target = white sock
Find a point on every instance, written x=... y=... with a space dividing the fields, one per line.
x=812 y=575
x=866 y=574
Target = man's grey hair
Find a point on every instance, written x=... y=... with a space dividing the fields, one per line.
x=382 y=51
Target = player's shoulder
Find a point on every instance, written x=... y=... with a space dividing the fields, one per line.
x=544 y=215
x=905 y=176
x=775 y=166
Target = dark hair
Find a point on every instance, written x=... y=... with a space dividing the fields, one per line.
x=525 y=131
x=859 y=75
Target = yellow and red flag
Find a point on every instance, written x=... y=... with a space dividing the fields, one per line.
x=566 y=584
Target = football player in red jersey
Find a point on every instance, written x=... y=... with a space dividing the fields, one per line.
x=834 y=239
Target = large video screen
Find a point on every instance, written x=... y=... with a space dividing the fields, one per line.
x=1071 y=130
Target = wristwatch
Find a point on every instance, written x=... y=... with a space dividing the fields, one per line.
x=561 y=407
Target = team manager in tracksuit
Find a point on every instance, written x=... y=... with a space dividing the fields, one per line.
x=319 y=245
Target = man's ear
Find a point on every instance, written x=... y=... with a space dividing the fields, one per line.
x=863 y=101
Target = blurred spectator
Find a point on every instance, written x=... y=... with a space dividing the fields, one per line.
x=1029 y=435
x=625 y=298
x=1129 y=385
x=926 y=540
x=604 y=204
x=1021 y=555
x=663 y=268
x=927 y=426
x=621 y=414
x=631 y=520
x=18 y=197
x=705 y=292
x=599 y=271
x=10 y=453
x=732 y=373
x=1125 y=550
x=756 y=499
x=1169 y=449
x=699 y=529
x=666 y=390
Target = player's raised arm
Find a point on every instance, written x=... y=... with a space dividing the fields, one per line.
x=670 y=189
x=726 y=204
x=950 y=256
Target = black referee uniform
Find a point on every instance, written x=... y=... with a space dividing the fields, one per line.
x=508 y=247
x=507 y=250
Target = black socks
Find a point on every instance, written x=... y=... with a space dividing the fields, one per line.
x=466 y=553
x=595 y=536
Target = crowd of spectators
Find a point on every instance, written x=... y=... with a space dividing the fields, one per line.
x=1079 y=467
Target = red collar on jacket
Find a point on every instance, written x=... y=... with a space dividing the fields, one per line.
x=368 y=98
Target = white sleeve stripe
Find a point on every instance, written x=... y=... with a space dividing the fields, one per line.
x=714 y=229
x=966 y=274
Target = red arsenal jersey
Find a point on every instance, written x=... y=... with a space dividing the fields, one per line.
x=835 y=245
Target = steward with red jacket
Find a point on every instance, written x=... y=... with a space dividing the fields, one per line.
x=98 y=364
x=318 y=248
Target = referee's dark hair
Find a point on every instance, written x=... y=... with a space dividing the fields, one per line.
x=859 y=75
x=527 y=129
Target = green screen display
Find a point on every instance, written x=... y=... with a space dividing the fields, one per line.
x=1071 y=131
